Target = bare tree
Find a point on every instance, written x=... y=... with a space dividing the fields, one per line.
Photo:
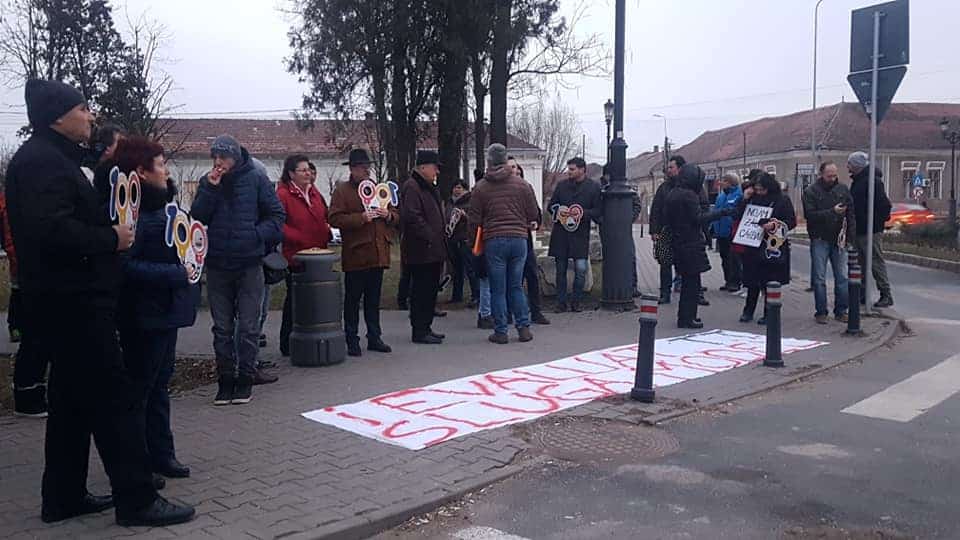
x=554 y=127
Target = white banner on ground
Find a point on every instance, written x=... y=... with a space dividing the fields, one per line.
x=416 y=418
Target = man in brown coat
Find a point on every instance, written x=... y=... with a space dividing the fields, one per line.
x=505 y=206
x=367 y=234
x=424 y=244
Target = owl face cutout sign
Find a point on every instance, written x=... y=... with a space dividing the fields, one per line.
x=380 y=195
x=569 y=217
x=124 y=197
x=189 y=236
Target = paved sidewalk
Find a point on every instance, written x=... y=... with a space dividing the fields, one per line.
x=263 y=471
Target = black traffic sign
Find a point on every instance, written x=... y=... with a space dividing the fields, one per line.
x=888 y=80
x=894 y=36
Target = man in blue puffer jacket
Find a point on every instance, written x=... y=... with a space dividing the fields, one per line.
x=729 y=197
x=239 y=206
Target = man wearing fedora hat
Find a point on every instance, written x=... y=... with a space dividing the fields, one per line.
x=366 y=236
x=424 y=243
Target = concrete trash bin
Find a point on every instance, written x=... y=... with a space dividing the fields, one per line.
x=317 y=338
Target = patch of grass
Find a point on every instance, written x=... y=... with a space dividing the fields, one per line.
x=942 y=253
x=6 y=385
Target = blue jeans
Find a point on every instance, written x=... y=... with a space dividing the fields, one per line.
x=484 y=309
x=505 y=260
x=579 y=279
x=822 y=251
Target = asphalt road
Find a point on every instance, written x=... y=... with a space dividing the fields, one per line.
x=868 y=450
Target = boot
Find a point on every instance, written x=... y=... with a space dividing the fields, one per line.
x=263 y=376
x=377 y=345
x=525 y=334
x=353 y=347
x=225 y=386
x=243 y=390
x=538 y=318
x=885 y=301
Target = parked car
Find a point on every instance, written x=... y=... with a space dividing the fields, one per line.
x=909 y=214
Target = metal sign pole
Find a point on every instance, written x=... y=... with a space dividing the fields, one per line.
x=871 y=186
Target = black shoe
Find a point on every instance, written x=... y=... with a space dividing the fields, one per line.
x=377 y=345
x=353 y=348
x=485 y=323
x=499 y=339
x=263 y=340
x=439 y=313
x=224 y=390
x=746 y=318
x=160 y=513
x=428 y=339
x=173 y=469
x=694 y=324
x=762 y=320
x=575 y=307
x=264 y=377
x=636 y=293
x=158 y=482
x=562 y=307
x=703 y=301
x=538 y=318
x=243 y=390
x=30 y=403
x=437 y=335
x=663 y=300
x=885 y=301
x=89 y=504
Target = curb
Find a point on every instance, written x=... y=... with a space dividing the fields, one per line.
x=378 y=521
x=890 y=332
x=907 y=258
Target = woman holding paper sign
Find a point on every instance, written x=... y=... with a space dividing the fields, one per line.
x=770 y=260
x=156 y=300
x=685 y=219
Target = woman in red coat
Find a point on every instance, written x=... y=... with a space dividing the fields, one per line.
x=306 y=226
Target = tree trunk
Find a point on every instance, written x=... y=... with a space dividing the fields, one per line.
x=479 y=123
x=385 y=141
x=398 y=101
x=450 y=119
x=499 y=74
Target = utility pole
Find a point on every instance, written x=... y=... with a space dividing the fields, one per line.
x=813 y=130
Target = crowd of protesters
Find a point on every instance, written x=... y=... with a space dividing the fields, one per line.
x=118 y=294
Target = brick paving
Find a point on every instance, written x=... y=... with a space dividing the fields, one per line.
x=263 y=471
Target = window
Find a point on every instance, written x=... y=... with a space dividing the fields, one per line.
x=935 y=175
x=908 y=169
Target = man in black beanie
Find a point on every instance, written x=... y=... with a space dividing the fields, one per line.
x=68 y=255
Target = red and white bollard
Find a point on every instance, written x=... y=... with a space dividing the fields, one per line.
x=643 y=383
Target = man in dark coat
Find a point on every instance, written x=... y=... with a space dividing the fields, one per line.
x=570 y=238
x=424 y=244
x=828 y=208
x=69 y=273
x=658 y=220
x=460 y=245
x=859 y=166
x=239 y=206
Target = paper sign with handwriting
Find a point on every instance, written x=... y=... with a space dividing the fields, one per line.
x=750 y=233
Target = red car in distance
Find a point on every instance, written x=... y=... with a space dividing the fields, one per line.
x=909 y=214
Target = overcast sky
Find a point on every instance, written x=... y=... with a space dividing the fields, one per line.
x=705 y=64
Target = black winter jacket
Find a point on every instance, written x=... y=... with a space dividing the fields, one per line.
x=156 y=293
x=684 y=215
x=657 y=207
x=65 y=242
x=758 y=268
x=243 y=216
x=823 y=223
x=881 y=209
x=576 y=244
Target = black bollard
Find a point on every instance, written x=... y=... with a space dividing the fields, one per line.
x=773 y=356
x=643 y=383
x=317 y=338
x=855 y=276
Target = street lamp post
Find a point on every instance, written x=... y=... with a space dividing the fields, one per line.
x=666 y=140
x=617 y=230
x=813 y=130
x=608 y=116
x=951 y=132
